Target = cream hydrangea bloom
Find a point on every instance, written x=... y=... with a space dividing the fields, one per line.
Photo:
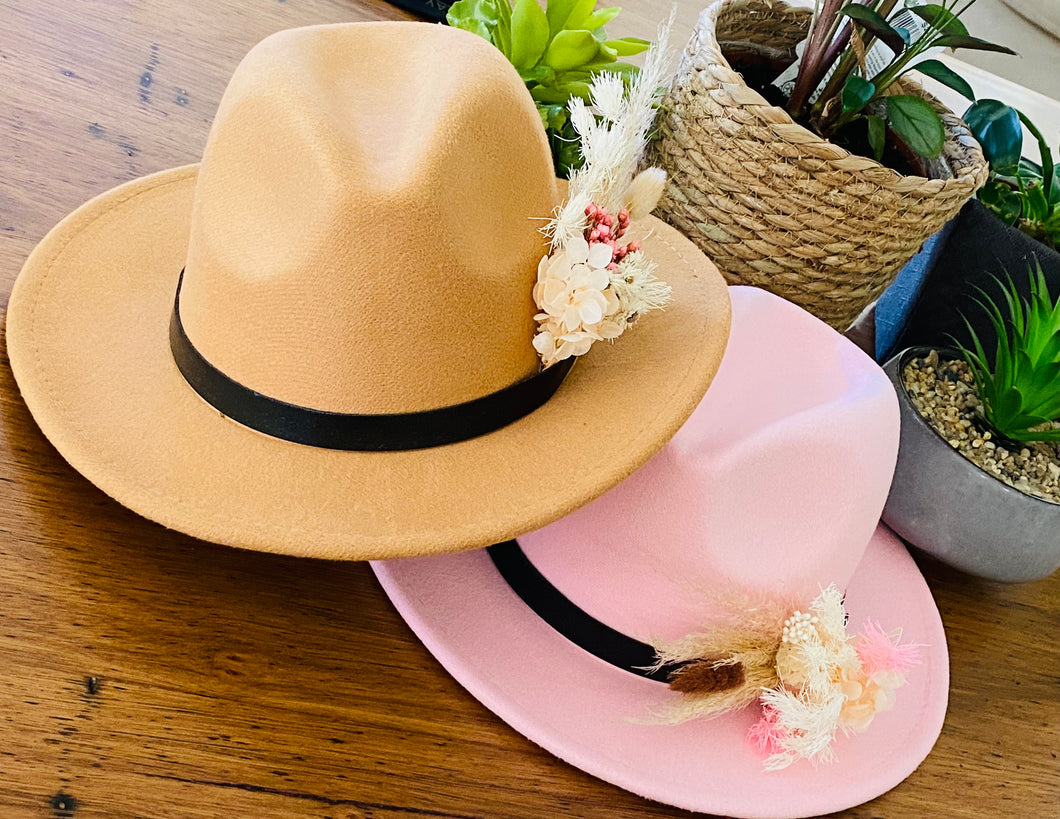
x=865 y=695
x=573 y=293
x=571 y=283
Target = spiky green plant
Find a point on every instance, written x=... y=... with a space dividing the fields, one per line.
x=1022 y=390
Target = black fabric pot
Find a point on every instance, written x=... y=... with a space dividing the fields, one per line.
x=429 y=9
x=979 y=247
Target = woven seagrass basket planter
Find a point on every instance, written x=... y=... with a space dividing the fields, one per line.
x=773 y=204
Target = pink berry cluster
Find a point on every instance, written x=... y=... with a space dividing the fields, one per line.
x=603 y=227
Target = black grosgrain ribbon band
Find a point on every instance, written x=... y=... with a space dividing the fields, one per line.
x=352 y=432
x=577 y=625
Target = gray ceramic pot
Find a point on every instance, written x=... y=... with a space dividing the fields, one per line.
x=944 y=504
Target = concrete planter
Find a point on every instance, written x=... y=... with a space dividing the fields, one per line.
x=947 y=506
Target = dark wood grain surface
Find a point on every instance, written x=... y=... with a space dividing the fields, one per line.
x=145 y=674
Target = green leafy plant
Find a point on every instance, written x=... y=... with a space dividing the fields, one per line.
x=1022 y=390
x=556 y=50
x=1018 y=191
x=839 y=37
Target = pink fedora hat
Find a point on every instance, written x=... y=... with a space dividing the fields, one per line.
x=728 y=630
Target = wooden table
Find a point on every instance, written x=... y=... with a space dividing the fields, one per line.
x=145 y=674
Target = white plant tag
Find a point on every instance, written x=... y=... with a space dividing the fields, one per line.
x=876 y=59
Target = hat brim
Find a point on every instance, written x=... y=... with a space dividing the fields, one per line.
x=87 y=336
x=598 y=717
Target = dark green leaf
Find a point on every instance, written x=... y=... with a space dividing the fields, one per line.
x=554 y=116
x=917 y=123
x=857 y=91
x=997 y=127
x=877 y=135
x=1041 y=435
x=570 y=49
x=969 y=42
x=1044 y=152
x=529 y=33
x=872 y=21
x=1006 y=203
x=940 y=18
x=1028 y=170
x=628 y=46
x=947 y=76
x=1037 y=208
x=566 y=149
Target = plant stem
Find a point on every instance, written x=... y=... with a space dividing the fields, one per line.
x=812 y=68
x=846 y=66
x=1043 y=150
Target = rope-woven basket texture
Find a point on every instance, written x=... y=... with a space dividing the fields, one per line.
x=775 y=205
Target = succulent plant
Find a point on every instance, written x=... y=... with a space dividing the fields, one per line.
x=1020 y=394
x=557 y=51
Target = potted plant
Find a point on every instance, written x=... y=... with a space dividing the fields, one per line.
x=557 y=50
x=786 y=193
x=1014 y=222
x=977 y=482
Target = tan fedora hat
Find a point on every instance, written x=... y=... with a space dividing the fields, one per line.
x=359 y=247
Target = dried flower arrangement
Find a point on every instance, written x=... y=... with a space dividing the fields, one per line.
x=813 y=679
x=593 y=285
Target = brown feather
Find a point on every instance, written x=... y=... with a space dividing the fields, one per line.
x=708 y=676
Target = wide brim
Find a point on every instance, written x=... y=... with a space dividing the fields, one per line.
x=87 y=336
x=600 y=718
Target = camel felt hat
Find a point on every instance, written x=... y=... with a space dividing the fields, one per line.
x=359 y=248
x=685 y=636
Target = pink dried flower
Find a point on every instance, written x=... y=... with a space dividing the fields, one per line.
x=879 y=651
x=767 y=735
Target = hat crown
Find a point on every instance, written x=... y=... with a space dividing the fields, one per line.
x=365 y=231
x=771 y=495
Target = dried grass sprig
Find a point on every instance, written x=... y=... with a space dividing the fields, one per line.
x=613 y=139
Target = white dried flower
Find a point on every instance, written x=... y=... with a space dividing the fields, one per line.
x=608 y=93
x=577 y=304
x=638 y=291
x=805 y=727
x=554 y=345
x=644 y=192
x=570 y=290
x=612 y=147
x=832 y=616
